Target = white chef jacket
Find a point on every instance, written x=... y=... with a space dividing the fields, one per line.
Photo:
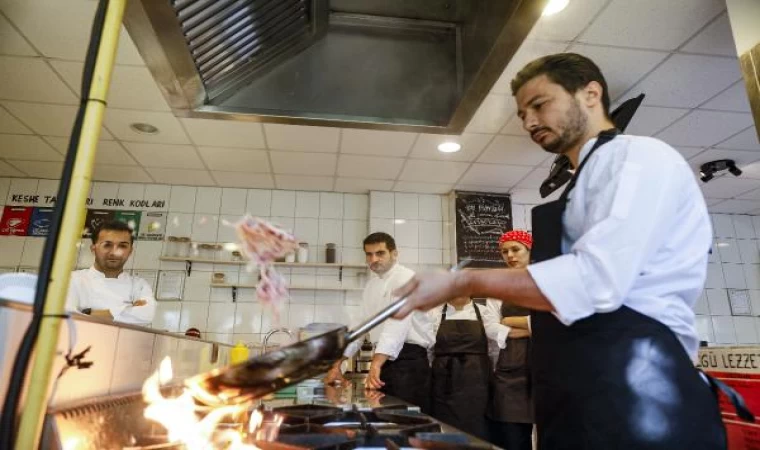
x=416 y=328
x=636 y=233
x=494 y=330
x=89 y=288
x=494 y=310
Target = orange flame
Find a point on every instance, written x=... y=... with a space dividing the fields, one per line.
x=182 y=417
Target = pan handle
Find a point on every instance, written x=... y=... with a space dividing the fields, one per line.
x=383 y=315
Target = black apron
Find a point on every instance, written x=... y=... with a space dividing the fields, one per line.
x=460 y=374
x=618 y=380
x=510 y=382
x=408 y=376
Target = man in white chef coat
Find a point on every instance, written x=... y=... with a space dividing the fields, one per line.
x=617 y=264
x=105 y=289
x=400 y=365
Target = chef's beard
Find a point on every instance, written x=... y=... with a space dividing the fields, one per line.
x=573 y=130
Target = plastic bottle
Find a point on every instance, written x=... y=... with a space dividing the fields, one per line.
x=239 y=353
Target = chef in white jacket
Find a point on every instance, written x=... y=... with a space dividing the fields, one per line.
x=105 y=289
x=400 y=365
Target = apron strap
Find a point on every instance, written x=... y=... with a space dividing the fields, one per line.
x=604 y=137
x=736 y=399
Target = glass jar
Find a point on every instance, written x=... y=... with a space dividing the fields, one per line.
x=237 y=256
x=172 y=249
x=303 y=252
x=330 y=254
x=206 y=251
x=183 y=247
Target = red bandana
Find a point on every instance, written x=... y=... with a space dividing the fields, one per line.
x=520 y=236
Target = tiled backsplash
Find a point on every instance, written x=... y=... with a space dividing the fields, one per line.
x=204 y=214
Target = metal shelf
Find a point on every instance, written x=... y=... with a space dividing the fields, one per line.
x=236 y=286
x=189 y=264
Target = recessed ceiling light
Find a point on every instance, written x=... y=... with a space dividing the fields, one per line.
x=399 y=221
x=554 y=7
x=143 y=128
x=449 y=147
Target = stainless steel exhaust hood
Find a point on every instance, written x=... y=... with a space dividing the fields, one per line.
x=416 y=65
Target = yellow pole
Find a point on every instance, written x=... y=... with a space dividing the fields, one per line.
x=70 y=232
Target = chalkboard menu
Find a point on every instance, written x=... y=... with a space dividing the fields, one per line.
x=480 y=220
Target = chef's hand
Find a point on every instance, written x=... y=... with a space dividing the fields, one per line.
x=373 y=380
x=139 y=302
x=334 y=376
x=428 y=290
x=518 y=333
x=336 y=394
x=373 y=397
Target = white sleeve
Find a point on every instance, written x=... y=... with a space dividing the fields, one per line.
x=394 y=335
x=629 y=200
x=140 y=314
x=73 y=295
x=492 y=324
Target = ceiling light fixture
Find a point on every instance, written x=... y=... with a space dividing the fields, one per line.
x=399 y=221
x=143 y=128
x=449 y=147
x=554 y=7
x=708 y=170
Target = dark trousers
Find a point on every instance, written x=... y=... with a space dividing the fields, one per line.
x=511 y=435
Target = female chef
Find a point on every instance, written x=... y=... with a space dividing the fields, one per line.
x=461 y=366
x=510 y=411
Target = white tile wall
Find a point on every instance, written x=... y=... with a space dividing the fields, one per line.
x=733 y=264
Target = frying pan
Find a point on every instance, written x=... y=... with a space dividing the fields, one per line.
x=285 y=366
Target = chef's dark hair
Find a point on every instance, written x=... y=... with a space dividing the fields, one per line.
x=570 y=70
x=113 y=225
x=379 y=237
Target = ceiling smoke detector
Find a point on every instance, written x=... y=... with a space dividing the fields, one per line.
x=143 y=128
x=708 y=170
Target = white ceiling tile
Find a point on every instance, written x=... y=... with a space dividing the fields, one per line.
x=492 y=114
x=685 y=81
x=132 y=87
x=433 y=171
x=622 y=68
x=713 y=201
x=31 y=79
x=244 y=180
x=480 y=188
x=373 y=167
x=746 y=140
x=528 y=51
x=715 y=39
x=472 y=144
x=735 y=206
x=300 y=163
x=728 y=187
x=225 y=133
x=62 y=29
x=133 y=174
x=182 y=176
x=423 y=188
x=534 y=179
x=361 y=185
x=742 y=158
x=373 y=142
x=650 y=24
x=689 y=152
x=235 y=160
x=169 y=129
x=750 y=170
x=495 y=175
x=649 y=120
x=164 y=155
x=704 y=128
x=568 y=23
x=520 y=151
x=109 y=152
x=11 y=42
x=304 y=183
x=301 y=138
x=33 y=148
x=754 y=194
x=734 y=98
x=11 y=125
x=6 y=170
x=48 y=120
x=40 y=169
x=514 y=127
